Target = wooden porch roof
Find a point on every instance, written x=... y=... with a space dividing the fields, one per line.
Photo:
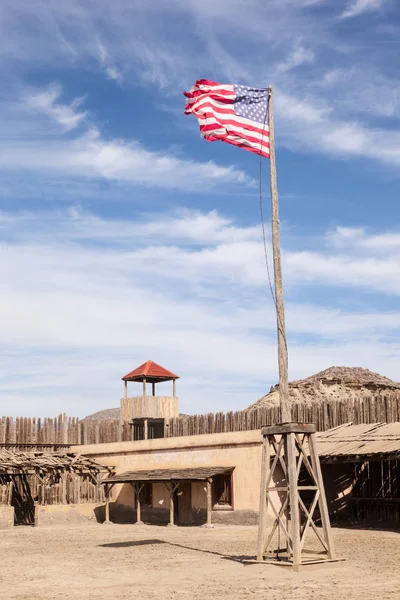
x=362 y=442
x=160 y=475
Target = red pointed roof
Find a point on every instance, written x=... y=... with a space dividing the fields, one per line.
x=150 y=371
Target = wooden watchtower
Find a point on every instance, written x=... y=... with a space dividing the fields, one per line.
x=148 y=413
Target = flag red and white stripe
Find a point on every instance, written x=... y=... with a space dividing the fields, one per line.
x=231 y=113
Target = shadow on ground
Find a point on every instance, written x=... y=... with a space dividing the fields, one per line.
x=150 y=542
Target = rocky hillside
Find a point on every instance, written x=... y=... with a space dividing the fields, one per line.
x=334 y=383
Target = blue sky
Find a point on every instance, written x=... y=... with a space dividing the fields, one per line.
x=125 y=237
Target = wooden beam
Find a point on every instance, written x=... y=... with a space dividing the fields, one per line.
x=294 y=498
x=289 y=428
x=107 y=520
x=323 y=506
x=125 y=389
x=153 y=388
x=265 y=467
x=145 y=429
x=144 y=386
x=174 y=387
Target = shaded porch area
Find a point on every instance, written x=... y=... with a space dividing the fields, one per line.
x=178 y=485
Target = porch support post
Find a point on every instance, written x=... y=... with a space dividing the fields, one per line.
x=171 y=487
x=108 y=489
x=137 y=488
x=209 y=524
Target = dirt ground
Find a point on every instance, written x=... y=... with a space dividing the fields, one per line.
x=124 y=561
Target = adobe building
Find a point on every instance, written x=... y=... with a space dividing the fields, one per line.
x=226 y=466
x=197 y=479
x=360 y=466
x=216 y=477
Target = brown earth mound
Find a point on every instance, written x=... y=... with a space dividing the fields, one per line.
x=334 y=383
x=108 y=413
x=104 y=415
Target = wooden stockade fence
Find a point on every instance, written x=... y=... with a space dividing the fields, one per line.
x=326 y=415
x=63 y=430
x=30 y=432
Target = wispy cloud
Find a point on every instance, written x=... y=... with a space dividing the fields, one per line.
x=110 y=70
x=358 y=7
x=46 y=102
x=299 y=56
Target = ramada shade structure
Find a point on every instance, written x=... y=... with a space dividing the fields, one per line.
x=29 y=478
x=26 y=463
x=171 y=478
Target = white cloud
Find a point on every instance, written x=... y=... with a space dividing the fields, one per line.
x=113 y=73
x=307 y=126
x=92 y=156
x=299 y=56
x=27 y=146
x=371 y=273
x=187 y=289
x=358 y=238
x=358 y=7
x=45 y=102
x=345 y=236
x=132 y=40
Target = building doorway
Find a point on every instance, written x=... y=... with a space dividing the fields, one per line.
x=183 y=503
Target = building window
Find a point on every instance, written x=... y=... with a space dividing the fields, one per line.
x=222 y=491
x=156 y=429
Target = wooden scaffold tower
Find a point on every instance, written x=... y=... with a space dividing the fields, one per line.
x=294 y=447
x=291 y=447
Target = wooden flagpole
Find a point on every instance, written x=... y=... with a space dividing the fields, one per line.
x=290 y=441
x=279 y=300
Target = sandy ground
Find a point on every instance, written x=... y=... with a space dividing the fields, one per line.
x=124 y=561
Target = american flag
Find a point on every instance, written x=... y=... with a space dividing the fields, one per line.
x=232 y=113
